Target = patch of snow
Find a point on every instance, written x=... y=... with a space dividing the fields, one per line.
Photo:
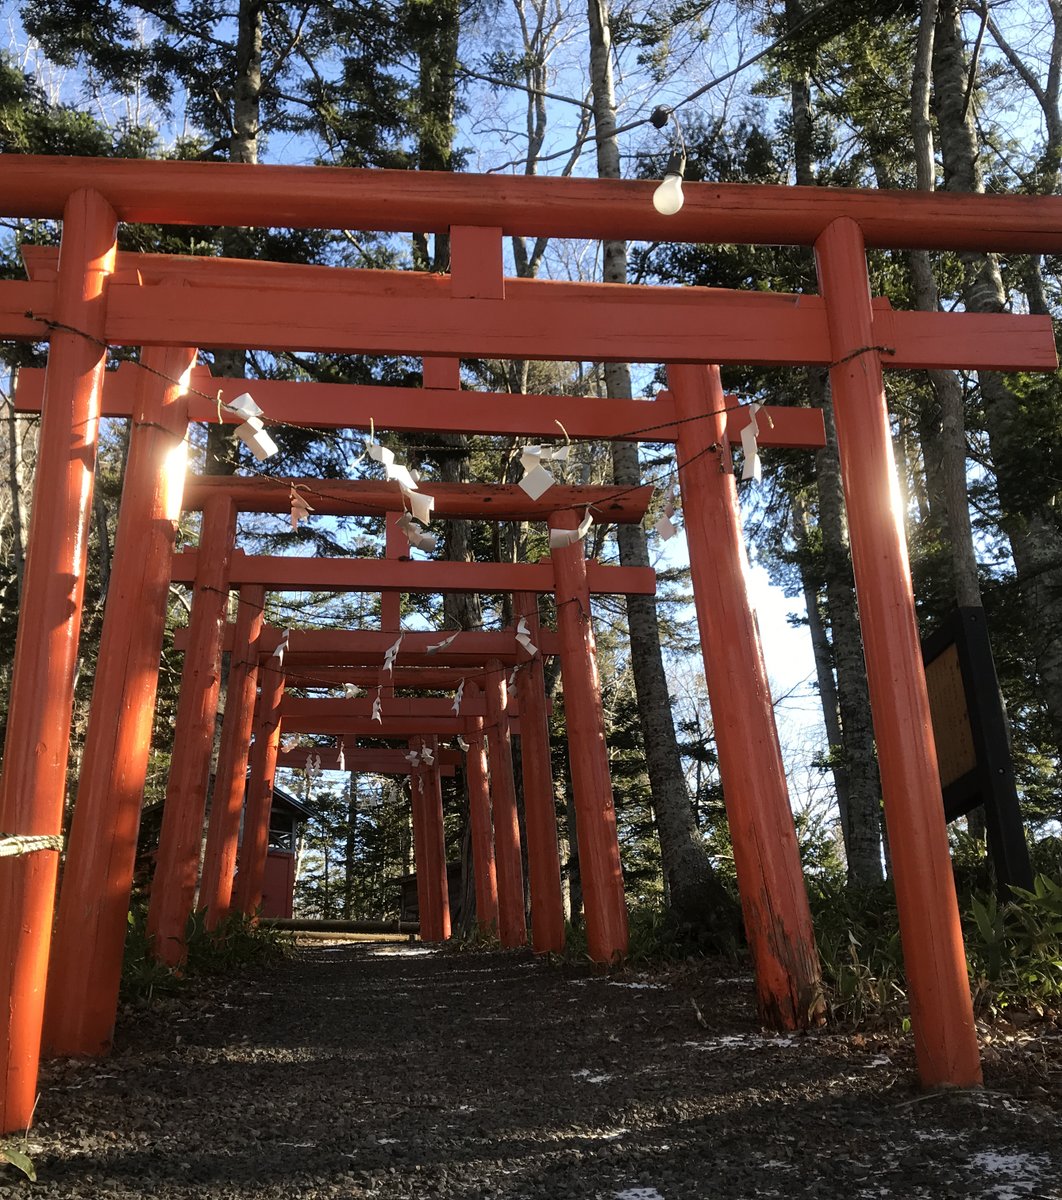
x=881 y=1060
x=405 y=951
x=660 y=987
x=1023 y=1171
x=735 y=1041
x=387 y=1141
x=590 y=1078
x=638 y=1194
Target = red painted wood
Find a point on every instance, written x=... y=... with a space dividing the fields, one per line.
x=363 y=759
x=542 y=323
x=595 y=813
x=327 y=405
x=484 y=869
x=357 y=647
x=91 y=924
x=396 y=545
x=512 y=924
x=731 y=326
x=344 y=406
x=401 y=678
x=296 y=761
x=309 y=708
x=444 y=374
x=19 y=299
x=766 y=856
x=200 y=193
x=476 y=268
x=278 y=884
x=310 y=660
x=230 y=778
x=392 y=727
x=540 y=811
x=42 y=687
x=434 y=857
x=437 y=576
x=934 y=959
x=468 y=501
x=264 y=751
x=271 y=305
x=177 y=868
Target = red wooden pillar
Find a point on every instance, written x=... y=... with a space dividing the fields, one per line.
x=941 y=1010
x=87 y=950
x=426 y=853
x=230 y=779
x=604 y=903
x=425 y=894
x=173 y=887
x=396 y=546
x=540 y=813
x=512 y=924
x=434 y=850
x=264 y=752
x=42 y=687
x=766 y=857
x=483 y=869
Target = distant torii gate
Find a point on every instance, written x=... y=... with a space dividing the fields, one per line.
x=475 y=311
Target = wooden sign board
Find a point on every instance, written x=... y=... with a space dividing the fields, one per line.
x=973 y=743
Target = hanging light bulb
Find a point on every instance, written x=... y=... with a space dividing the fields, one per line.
x=668 y=197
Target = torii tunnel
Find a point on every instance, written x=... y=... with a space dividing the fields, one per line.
x=91 y=297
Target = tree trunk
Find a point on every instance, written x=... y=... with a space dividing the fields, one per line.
x=696 y=895
x=15 y=473
x=223 y=451
x=862 y=838
x=861 y=817
x=947 y=439
x=823 y=654
x=1028 y=506
x=434 y=30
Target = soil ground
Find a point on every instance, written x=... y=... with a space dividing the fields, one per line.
x=393 y=1071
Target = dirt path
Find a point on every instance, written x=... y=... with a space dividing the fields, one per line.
x=357 y=1071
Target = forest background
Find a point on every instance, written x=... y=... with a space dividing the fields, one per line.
x=889 y=93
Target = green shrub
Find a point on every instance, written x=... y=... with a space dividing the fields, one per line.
x=1014 y=951
x=238 y=941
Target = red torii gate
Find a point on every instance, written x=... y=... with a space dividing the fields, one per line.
x=83 y=974
x=547 y=915
x=472 y=312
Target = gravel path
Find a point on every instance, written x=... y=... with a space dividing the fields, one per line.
x=392 y=1071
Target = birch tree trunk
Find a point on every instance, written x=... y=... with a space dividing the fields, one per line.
x=695 y=894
